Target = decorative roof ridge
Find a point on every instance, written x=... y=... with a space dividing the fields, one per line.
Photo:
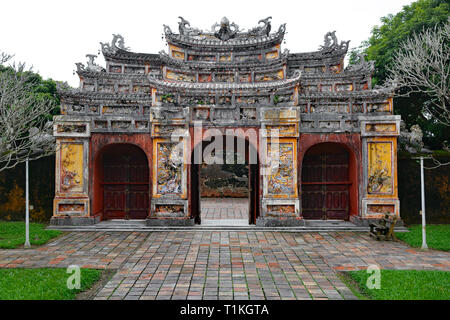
x=130 y=54
x=197 y=64
x=344 y=74
x=362 y=65
x=378 y=91
x=227 y=35
x=109 y=75
x=117 y=50
x=326 y=50
x=226 y=85
x=76 y=92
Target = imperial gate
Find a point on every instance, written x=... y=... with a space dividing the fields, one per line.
x=128 y=135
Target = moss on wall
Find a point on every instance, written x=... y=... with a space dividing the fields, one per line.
x=42 y=190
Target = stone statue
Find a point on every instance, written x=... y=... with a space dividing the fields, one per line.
x=225 y=32
x=116 y=43
x=329 y=47
x=411 y=141
x=185 y=30
x=261 y=30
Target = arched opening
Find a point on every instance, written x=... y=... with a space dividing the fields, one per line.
x=328 y=182
x=121 y=183
x=203 y=209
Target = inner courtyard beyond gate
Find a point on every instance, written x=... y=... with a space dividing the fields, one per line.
x=314 y=140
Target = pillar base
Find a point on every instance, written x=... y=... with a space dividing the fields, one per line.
x=74 y=221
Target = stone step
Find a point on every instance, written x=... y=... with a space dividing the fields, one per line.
x=144 y=228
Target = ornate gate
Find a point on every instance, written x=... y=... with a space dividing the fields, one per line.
x=325 y=183
x=125 y=185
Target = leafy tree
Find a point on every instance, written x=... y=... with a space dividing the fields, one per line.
x=386 y=40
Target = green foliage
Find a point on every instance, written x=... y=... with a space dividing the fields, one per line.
x=405 y=285
x=43 y=283
x=276 y=99
x=438 y=236
x=41 y=89
x=386 y=39
x=12 y=234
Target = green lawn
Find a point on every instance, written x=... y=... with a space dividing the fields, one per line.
x=438 y=236
x=12 y=234
x=42 y=284
x=402 y=285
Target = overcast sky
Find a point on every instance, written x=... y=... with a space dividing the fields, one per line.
x=52 y=35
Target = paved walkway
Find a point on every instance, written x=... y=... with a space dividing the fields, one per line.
x=224 y=265
x=224 y=208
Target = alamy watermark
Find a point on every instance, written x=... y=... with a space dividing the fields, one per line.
x=74 y=280
x=374 y=280
x=250 y=146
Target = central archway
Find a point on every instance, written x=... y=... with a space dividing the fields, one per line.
x=252 y=176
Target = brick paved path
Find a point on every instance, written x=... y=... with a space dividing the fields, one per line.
x=224 y=265
x=224 y=208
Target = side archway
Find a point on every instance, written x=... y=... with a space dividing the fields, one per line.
x=121 y=184
x=330 y=174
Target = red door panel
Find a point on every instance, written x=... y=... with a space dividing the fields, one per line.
x=325 y=184
x=125 y=184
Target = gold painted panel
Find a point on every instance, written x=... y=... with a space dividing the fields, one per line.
x=380 y=168
x=71 y=168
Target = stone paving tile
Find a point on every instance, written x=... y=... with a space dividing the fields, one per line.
x=224 y=265
x=224 y=208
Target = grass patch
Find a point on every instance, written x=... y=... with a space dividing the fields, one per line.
x=12 y=234
x=402 y=285
x=42 y=284
x=438 y=236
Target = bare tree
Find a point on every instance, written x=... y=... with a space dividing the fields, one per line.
x=25 y=129
x=422 y=64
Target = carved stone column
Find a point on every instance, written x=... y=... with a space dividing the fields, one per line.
x=71 y=203
x=170 y=157
x=379 y=155
x=280 y=202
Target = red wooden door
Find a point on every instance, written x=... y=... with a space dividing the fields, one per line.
x=125 y=186
x=325 y=186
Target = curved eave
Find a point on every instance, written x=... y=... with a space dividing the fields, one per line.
x=232 y=44
x=317 y=57
x=383 y=93
x=74 y=94
x=89 y=74
x=123 y=56
x=344 y=75
x=215 y=86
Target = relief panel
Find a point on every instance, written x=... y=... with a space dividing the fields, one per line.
x=380 y=180
x=169 y=169
x=71 y=167
x=282 y=175
x=171 y=75
x=270 y=76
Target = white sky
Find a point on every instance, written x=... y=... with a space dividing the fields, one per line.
x=52 y=35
